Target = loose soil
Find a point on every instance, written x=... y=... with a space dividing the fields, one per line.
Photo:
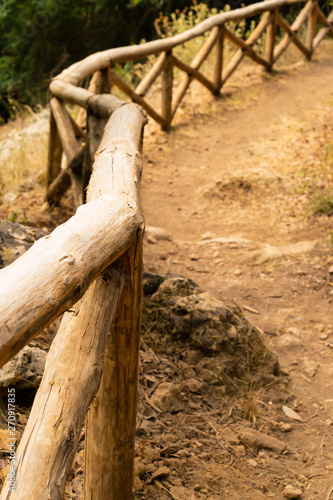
x=231 y=185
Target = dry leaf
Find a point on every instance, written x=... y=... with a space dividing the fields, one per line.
x=291 y=413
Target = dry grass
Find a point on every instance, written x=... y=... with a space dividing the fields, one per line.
x=23 y=150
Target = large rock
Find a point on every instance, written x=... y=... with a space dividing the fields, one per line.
x=185 y=318
x=167 y=397
x=25 y=370
x=15 y=239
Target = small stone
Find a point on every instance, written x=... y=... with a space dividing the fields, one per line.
x=192 y=384
x=240 y=451
x=208 y=236
x=183 y=453
x=292 y=492
x=197 y=487
x=151 y=454
x=161 y=472
x=163 y=256
x=167 y=397
x=139 y=467
x=252 y=462
x=284 y=427
x=229 y=435
x=237 y=272
x=137 y=483
x=323 y=336
x=151 y=240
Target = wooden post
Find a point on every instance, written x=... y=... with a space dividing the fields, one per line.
x=54 y=154
x=69 y=144
x=167 y=80
x=270 y=40
x=111 y=420
x=100 y=83
x=72 y=375
x=63 y=181
x=219 y=61
x=110 y=428
x=312 y=22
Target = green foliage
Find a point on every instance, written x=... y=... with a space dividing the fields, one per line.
x=39 y=38
x=322 y=203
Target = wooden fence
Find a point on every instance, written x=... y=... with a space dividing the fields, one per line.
x=91 y=266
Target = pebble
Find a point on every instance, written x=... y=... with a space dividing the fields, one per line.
x=284 y=427
x=292 y=492
x=240 y=451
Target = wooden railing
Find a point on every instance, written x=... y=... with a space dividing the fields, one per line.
x=91 y=266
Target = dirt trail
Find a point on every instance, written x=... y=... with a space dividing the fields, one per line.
x=232 y=185
x=245 y=171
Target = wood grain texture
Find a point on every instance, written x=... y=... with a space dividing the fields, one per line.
x=240 y=54
x=55 y=272
x=167 y=80
x=270 y=39
x=218 y=66
x=292 y=30
x=63 y=181
x=54 y=153
x=149 y=79
x=72 y=376
x=116 y=80
x=111 y=420
x=195 y=64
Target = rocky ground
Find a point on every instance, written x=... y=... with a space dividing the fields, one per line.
x=236 y=191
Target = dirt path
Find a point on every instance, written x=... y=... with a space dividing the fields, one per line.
x=246 y=171
x=233 y=186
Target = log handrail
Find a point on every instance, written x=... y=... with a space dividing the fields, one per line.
x=93 y=262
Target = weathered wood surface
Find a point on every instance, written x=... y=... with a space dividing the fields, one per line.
x=51 y=276
x=192 y=72
x=54 y=152
x=63 y=181
x=100 y=83
x=290 y=36
x=195 y=64
x=167 y=80
x=83 y=69
x=69 y=144
x=72 y=375
x=246 y=47
x=324 y=31
x=218 y=67
x=270 y=39
x=149 y=79
x=102 y=105
x=312 y=22
x=111 y=420
x=240 y=54
x=116 y=80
